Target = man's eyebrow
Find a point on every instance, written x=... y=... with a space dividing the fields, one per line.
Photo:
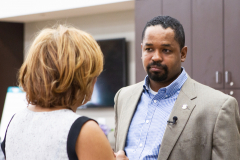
x=166 y=45
x=148 y=44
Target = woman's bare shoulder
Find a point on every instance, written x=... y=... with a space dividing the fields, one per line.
x=93 y=144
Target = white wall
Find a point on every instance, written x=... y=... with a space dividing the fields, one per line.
x=102 y=26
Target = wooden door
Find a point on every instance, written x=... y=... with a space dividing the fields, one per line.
x=207 y=42
x=232 y=43
x=145 y=10
x=181 y=10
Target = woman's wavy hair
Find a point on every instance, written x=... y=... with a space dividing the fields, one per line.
x=60 y=68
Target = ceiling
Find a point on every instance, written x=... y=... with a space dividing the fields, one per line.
x=83 y=11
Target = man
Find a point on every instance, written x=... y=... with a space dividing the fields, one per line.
x=169 y=116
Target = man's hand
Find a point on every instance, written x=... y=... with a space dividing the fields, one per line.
x=120 y=155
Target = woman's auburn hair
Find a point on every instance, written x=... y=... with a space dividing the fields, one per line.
x=60 y=68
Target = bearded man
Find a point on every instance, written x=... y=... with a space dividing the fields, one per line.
x=170 y=116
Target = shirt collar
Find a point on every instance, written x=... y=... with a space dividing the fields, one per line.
x=172 y=88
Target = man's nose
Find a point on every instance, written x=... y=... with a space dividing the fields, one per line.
x=157 y=56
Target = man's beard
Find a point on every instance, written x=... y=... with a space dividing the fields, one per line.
x=155 y=76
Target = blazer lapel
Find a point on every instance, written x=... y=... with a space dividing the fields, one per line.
x=173 y=131
x=127 y=112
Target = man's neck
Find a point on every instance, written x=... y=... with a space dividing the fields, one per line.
x=155 y=85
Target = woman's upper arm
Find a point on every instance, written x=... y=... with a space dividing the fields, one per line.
x=92 y=143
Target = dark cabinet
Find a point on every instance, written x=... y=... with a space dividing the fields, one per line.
x=232 y=44
x=207 y=36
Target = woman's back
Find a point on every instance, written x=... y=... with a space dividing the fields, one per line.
x=39 y=135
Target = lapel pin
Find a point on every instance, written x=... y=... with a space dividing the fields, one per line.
x=184 y=106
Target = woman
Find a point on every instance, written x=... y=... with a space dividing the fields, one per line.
x=58 y=76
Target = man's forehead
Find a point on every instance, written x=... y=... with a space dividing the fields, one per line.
x=157 y=34
x=158 y=30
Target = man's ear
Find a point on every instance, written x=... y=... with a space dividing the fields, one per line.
x=141 y=48
x=183 y=53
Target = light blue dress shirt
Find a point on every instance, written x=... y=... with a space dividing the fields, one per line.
x=150 y=120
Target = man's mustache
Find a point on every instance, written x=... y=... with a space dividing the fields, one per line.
x=157 y=64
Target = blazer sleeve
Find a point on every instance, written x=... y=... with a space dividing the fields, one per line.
x=116 y=117
x=226 y=135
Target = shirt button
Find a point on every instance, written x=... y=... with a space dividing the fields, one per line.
x=147 y=121
x=166 y=95
x=140 y=145
x=155 y=101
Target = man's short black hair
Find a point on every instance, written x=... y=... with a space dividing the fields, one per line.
x=165 y=22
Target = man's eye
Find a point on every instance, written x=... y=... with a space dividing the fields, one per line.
x=149 y=49
x=166 y=50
